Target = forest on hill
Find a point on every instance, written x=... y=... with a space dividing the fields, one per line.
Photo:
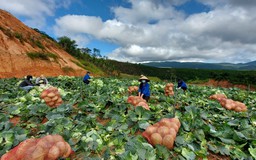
x=200 y=65
x=115 y=68
x=233 y=76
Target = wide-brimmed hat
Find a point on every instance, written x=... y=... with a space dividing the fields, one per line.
x=144 y=78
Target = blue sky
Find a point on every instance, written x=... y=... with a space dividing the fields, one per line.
x=148 y=30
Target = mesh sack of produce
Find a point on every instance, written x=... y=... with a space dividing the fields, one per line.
x=217 y=96
x=138 y=101
x=52 y=97
x=50 y=147
x=168 y=89
x=132 y=89
x=163 y=132
x=233 y=105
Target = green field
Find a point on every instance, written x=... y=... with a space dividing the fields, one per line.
x=98 y=131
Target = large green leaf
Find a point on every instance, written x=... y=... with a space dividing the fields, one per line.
x=252 y=152
x=189 y=155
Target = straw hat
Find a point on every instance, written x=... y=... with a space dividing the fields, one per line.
x=144 y=77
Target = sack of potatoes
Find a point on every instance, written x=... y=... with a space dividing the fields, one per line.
x=233 y=105
x=138 y=101
x=132 y=89
x=50 y=147
x=217 y=96
x=52 y=97
x=163 y=132
x=168 y=89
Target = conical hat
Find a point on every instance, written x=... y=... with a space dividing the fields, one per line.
x=144 y=77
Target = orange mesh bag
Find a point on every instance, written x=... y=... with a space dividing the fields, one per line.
x=50 y=147
x=233 y=105
x=240 y=107
x=52 y=97
x=168 y=89
x=132 y=89
x=138 y=101
x=218 y=96
x=163 y=132
x=18 y=151
x=143 y=104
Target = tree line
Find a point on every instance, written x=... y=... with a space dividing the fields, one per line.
x=114 y=68
x=87 y=55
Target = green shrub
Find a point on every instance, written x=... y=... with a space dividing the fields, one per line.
x=67 y=69
x=41 y=55
x=37 y=55
x=78 y=63
x=51 y=55
x=19 y=36
x=39 y=44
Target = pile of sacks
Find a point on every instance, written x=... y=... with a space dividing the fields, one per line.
x=138 y=101
x=52 y=97
x=50 y=147
x=168 y=89
x=229 y=103
x=163 y=132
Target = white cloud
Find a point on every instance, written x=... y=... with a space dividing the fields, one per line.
x=79 y=24
x=235 y=3
x=226 y=24
x=223 y=34
x=34 y=11
x=146 y=11
x=79 y=28
x=153 y=30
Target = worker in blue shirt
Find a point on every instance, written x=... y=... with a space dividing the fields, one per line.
x=182 y=85
x=144 y=90
x=86 y=78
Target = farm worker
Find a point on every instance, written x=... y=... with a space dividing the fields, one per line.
x=182 y=85
x=41 y=80
x=144 y=90
x=27 y=84
x=86 y=78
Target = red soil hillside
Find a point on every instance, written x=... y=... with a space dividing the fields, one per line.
x=46 y=57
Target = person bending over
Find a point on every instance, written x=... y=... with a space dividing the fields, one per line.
x=182 y=85
x=27 y=84
x=86 y=78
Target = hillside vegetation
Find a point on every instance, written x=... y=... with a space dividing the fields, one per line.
x=116 y=68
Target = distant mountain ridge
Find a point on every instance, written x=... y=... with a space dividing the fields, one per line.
x=200 y=65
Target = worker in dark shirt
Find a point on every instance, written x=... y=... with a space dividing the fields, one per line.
x=182 y=85
x=86 y=78
x=27 y=84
